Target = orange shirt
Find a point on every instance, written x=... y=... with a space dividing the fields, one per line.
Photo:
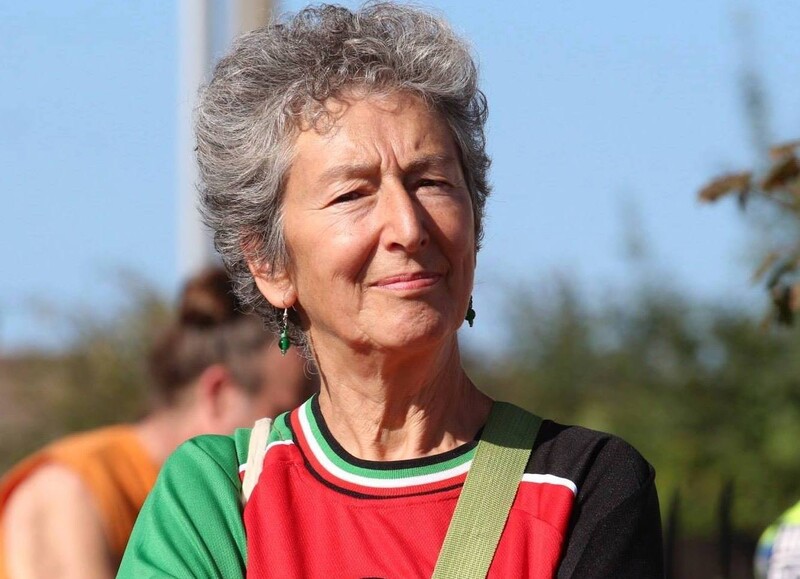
x=112 y=464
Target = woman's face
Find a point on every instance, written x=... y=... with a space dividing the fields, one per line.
x=379 y=228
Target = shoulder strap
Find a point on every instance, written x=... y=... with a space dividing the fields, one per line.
x=488 y=492
x=256 y=450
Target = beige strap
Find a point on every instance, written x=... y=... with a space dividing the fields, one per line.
x=489 y=490
x=255 y=456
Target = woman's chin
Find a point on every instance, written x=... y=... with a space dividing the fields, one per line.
x=406 y=337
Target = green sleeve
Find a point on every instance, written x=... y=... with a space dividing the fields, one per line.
x=191 y=523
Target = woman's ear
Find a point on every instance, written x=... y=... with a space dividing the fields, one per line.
x=276 y=287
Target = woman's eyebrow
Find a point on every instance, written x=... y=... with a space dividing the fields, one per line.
x=349 y=170
x=346 y=170
x=427 y=161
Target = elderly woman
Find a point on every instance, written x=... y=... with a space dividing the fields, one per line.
x=345 y=175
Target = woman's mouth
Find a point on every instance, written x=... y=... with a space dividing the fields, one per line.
x=409 y=281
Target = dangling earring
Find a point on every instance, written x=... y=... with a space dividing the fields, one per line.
x=283 y=342
x=470 y=317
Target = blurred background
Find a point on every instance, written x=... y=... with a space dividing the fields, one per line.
x=606 y=294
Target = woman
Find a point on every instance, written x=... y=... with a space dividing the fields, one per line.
x=345 y=176
x=68 y=510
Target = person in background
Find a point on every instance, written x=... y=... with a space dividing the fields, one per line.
x=68 y=510
x=778 y=550
x=344 y=173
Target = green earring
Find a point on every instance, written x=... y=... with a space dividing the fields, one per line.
x=470 y=317
x=283 y=342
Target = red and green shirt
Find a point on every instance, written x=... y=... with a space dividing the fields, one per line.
x=585 y=507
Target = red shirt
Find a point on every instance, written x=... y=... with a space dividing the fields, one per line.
x=318 y=511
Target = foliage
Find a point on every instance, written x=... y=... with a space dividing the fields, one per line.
x=99 y=378
x=777 y=187
x=699 y=390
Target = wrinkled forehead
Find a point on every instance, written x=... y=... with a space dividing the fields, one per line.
x=395 y=132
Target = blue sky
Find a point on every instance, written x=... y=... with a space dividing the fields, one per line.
x=596 y=109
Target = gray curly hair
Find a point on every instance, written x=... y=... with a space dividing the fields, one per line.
x=278 y=78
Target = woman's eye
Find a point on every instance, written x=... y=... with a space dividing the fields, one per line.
x=349 y=196
x=429 y=183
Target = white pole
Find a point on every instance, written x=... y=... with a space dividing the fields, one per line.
x=194 y=244
x=201 y=31
x=247 y=15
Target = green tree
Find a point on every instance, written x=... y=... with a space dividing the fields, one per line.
x=99 y=377
x=704 y=394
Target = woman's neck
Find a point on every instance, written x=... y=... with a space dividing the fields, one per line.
x=399 y=408
x=162 y=431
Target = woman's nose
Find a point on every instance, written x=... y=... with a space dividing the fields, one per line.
x=404 y=219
